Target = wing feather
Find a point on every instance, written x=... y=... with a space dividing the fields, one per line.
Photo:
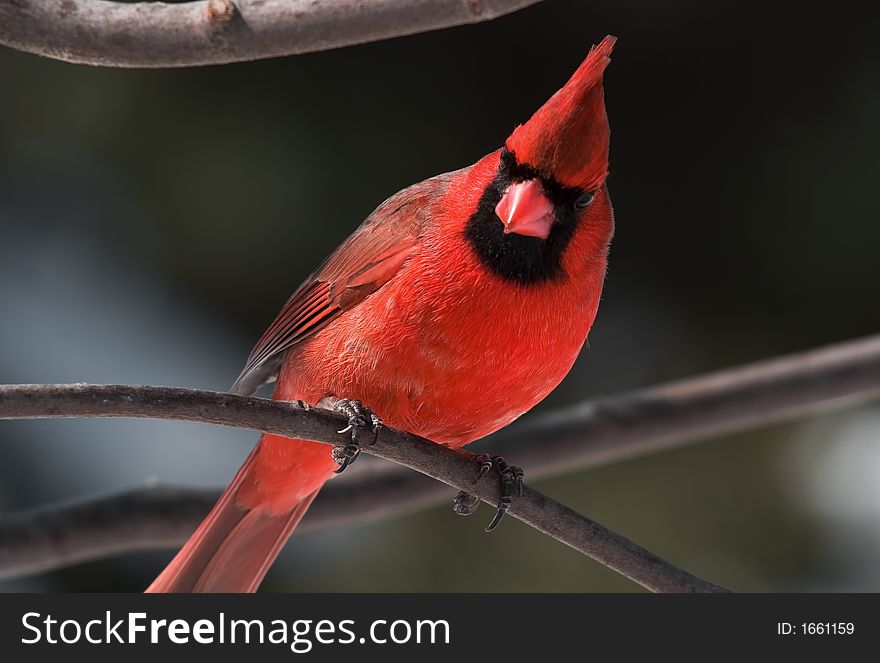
x=365 y=262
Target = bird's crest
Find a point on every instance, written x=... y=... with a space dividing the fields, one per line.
x=567 y=138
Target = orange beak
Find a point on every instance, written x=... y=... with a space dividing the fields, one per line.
x=525 y=210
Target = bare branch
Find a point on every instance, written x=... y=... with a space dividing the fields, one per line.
x=159 y=517
x=670 y=415
x=291 y=420
x=587 y=435
x=156 y=34
x=65 y=534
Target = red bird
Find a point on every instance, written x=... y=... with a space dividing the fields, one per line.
x=458 y=305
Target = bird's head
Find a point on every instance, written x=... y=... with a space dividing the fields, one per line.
x=561 y=152
x=543 y=208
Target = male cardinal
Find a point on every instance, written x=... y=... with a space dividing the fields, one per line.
x=458 y=305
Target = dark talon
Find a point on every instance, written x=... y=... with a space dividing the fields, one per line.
x=345 y=454
x=358 y=417
x=503 y=505
x=511 y=485
x=464 y=503
x=485 y=461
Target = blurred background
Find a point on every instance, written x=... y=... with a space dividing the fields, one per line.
x=153 y=222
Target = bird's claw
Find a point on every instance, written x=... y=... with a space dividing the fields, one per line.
x=485 y=461
x=345 y=454
x=465 y=504
x=511 y=486
x=360 y=417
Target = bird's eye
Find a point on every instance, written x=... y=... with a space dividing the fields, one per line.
x=583 y=201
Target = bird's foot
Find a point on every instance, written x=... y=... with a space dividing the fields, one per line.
x=465 y=504
x=511 y=486
x=360 y=418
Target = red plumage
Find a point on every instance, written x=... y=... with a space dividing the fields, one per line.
x=568 y=136
x=442 y=323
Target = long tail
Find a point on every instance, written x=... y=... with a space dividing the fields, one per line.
x=235 y=545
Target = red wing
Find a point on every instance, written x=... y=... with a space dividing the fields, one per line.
x=365 y=262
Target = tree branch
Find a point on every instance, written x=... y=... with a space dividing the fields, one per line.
x=583 y=436
x=156 y=34
x=291 y=420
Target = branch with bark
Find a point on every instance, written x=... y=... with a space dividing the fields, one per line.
x=158 y=34
x=292 y=420
x=587 y=435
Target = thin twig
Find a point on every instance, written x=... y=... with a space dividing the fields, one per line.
x=291 y=420
x=158 y=34
x=584 y=436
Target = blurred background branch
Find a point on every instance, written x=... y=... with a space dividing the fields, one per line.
x=593 y=433
x=158 y=34
x=297 y=421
